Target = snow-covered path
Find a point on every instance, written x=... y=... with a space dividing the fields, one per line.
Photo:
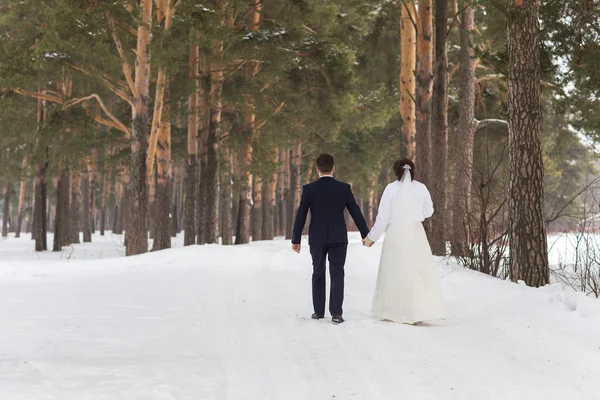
x=214 y=322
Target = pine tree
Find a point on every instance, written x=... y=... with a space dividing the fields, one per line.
x=408 y=37
x=424 y=83
x=439 y=130
x=528 y=247
x=465 y=137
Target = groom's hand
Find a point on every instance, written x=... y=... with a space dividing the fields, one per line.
x=368 y=242
x=296 y=248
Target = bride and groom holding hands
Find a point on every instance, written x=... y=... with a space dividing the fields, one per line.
x=407 y=288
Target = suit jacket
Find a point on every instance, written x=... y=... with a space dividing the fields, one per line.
x=327 y=199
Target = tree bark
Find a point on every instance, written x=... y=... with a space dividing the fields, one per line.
x=40 y=219
x=137 y=221
x=371 y=208
x=152 y=204
x=463 y=153
x=242 y=235
x=62 y=221
x=162 y=229
x=75 y=207
x=408 y=38
x=105 y=196
x=226 y=199
x=203 y=150
x=440 y=130
x=282 y=183
x=191 y=167
x=214 y=133
x=120 y=203
x=51 y=215
x=21 y=204
x=257 y=209
x=424 y=92
x=175 y=201
x=164 y=13
x=245 y=203
x=528 y=242
x=5 y=210
x=87 y=208
x=294 y=193
x=271 y=202
x=92 y=195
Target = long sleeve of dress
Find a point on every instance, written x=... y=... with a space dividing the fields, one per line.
x=427 y=204
x=384 y=214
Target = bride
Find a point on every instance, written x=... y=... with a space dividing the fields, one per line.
x=408 y=289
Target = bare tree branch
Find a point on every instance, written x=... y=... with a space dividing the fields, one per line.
x=39 y=96
x=115 y=120
x=560 y=214
x=107 y=82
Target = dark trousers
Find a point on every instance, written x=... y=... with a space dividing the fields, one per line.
x=337 y=258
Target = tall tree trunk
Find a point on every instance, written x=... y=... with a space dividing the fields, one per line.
x=294 y=191
x=75 y=207
x=463 y=153
x=270 y=202
x=226 y=199
x=528 y=243
x=282 y=183
x=181 y=202
x=40 y=217
x=440 y=130
x=105 y=196
x=408 y=38
x=257 y=209
x=245 y=204
x=137 y=221
x=203 y=150
x=5 y=210
x=242 y=235
x=92 y=195
x=62 y=221
x=120 y=203
x=87 y=208
x=175 y=202
x=424 y=91
x=162 y=230
x=51 y=215
x=164 y=13
x=152 y=204
x=21 y=204
x=214 y=134
x=371 y=207
x=191 y=167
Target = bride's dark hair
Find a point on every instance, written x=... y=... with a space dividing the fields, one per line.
x=399 y=168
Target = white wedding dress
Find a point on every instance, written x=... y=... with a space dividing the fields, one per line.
x=408 y=288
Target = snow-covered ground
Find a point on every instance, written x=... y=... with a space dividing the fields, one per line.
x=212 y=322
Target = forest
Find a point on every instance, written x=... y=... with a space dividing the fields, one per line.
x=153 y=118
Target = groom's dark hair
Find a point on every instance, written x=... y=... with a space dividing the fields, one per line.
x=399 y=168
x=325 y=163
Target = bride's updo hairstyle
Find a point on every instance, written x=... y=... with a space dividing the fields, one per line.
x=399 y=168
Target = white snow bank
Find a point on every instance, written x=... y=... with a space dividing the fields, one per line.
x=216 y=322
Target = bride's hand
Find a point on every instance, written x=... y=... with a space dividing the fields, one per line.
x=367 y=242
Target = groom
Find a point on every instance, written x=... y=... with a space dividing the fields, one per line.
x=327 y=199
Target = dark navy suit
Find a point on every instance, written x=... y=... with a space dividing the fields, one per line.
x=327 y=199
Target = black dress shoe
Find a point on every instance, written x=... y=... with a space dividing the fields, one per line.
x=337 y=319
x=315 y=316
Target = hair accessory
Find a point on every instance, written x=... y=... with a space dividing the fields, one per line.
x=406 y=166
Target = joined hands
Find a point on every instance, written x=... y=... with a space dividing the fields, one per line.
x=368 y=242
